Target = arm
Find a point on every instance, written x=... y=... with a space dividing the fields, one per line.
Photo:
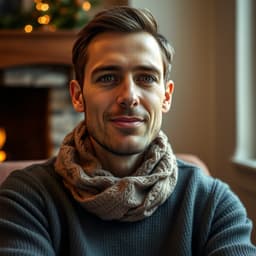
x=230 y=231
x=23 y=225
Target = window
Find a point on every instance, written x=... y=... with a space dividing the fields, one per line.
x=246 y=83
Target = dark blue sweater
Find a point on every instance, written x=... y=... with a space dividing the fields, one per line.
x=38 y=217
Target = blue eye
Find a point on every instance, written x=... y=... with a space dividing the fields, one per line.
x=107 y=78
x=147 y=79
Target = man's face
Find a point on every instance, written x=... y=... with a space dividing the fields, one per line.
x=124 y=93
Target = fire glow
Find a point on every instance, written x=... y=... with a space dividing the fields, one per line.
x=2 y=142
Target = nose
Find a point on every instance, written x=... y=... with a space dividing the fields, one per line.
x=128 y=93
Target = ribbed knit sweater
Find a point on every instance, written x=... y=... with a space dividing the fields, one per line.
x=38 y=216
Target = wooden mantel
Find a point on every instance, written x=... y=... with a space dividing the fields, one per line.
x=39 y=47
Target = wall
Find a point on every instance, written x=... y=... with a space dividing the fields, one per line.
x=202 y=120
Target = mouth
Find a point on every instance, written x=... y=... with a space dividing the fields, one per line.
x=129 y=122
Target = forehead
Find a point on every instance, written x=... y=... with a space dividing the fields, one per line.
x=124 y=49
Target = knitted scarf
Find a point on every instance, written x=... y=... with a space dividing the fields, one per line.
x=129 y=198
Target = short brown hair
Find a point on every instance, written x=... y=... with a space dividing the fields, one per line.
x=119 y=19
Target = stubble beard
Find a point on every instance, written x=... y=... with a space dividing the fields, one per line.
x=115 y=150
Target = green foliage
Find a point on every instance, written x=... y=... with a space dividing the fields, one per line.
x=63 y=14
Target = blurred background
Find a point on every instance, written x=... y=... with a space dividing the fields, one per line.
x=213 y=114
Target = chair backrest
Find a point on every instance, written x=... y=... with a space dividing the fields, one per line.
x=193 y=159
x=7 y=167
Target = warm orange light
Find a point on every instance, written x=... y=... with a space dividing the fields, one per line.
x=2 y=156
x=44 y=19
x=2 y=141
x=28 y=28
x=42 y=7
x=39 y=6
x=86 y=6
x=2 y=137
x=45 y=7
x=52 y=28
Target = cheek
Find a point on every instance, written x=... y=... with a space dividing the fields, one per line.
x=96 y=105
x=92 y=110
x=155 y=107
x=154 y=102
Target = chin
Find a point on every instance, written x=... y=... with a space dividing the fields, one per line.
x=126 y=152
x=126 y=146
x=128 y=149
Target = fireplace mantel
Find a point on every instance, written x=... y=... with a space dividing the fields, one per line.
x=39 y=47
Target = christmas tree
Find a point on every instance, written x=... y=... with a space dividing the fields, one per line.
x=49 y=15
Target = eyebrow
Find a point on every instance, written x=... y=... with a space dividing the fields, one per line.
x=106 y=68
x=149 y=68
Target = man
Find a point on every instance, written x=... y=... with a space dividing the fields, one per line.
x=115 y=187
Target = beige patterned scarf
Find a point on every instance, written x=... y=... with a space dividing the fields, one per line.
x=129 y=198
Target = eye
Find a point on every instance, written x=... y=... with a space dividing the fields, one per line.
x=146 y=78
x=107 y=79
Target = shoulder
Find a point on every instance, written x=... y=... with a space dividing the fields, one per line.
x=31 y=197
x=211 y=211
x=192 y=177
x=193 y=174
x=36 y=189
x=209 y=195
x=36 y=177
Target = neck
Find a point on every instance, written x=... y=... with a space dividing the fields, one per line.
x=118 y=165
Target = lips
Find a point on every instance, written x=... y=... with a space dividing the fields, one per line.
x=127 y=121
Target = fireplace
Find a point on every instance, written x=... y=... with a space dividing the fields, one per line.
x=25 y=118
x=35 y=110
x=3 y=155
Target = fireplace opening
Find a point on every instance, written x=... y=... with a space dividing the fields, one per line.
x=24 y=116
x=2 y=142
x=36 y=114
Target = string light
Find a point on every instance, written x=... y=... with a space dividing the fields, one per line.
x=28 y=28
x=51 y=15
x=42 y=7
x=86 y=6
x=38 y=6
x=45 y=19
x=45 y=7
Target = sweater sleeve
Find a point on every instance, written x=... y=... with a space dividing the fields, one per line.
x=23 y=225
x=230 y=230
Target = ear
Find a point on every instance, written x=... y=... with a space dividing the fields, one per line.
x=76 y=96
x=168 y=96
